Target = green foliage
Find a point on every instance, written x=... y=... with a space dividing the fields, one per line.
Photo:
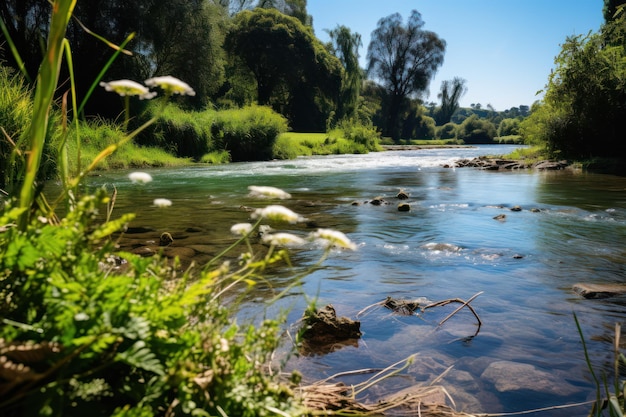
x=585 y=102
x=99 y=133
x=348 y=138
x=248 y=134
x=447 y=131
x=121 y=337
x=346 y=47
x=475 y=130
x=182 y=133
x=509 y=127
x=296 y=58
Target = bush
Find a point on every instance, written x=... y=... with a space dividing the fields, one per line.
x=248 y=134
x=447 y=131
x=361 y=134
x=475 y=130
x=182 y=133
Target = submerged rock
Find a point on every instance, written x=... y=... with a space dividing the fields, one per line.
x=508 y=376
x=587 y=290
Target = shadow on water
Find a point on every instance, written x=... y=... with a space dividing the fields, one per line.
x=571 y=227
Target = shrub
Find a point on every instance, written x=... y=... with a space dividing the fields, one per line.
x=475 y=130
x=447 y=131
x=361 y=134
x=182 y=133
x=248 y=134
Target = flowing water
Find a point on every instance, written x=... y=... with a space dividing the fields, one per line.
x=527 y=354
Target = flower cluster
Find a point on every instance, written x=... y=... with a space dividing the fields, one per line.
x=169 y=84
x=328 y=238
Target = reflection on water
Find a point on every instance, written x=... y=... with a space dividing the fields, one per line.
x=572 y=228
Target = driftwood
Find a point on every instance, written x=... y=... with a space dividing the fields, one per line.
x=411 y=307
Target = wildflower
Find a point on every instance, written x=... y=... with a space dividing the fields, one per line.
x=277 y=213
x=128 y=88
x=171 y=85
x=268 y=192
x=241 y=229
x=162 y=202
x=283 y=239
x=333 y=238
x=140 y=177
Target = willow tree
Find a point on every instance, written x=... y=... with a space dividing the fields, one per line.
x=404 y=58
x=450 y=94
x=346 y=47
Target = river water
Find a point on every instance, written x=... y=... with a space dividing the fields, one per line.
x=527 y=354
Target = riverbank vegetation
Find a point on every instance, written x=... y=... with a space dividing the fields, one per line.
x=88 y=330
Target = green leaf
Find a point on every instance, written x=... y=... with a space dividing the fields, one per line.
x=139 y=356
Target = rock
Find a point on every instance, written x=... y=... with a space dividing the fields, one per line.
x=325 y=332
x=404 y=207
x=377 y=201
x=587 y=290
x=550 y=165
x=402 y=195
x=494 y=164
x=509 y=376
x=516 y=208
x=166 y=239
x=500 y=217
x=180 y=252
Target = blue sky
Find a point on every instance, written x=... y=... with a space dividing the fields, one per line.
x=504 y=49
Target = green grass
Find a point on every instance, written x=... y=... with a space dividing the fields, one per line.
x=292 y=144
x=97 y=135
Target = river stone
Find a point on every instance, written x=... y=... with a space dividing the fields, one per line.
x=509 y=376
x=587 y=290
x=404 y=207
x=180 y=252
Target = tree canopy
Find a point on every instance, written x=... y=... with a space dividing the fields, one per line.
x=283 y=55
x=450 y=94
x=404 y=58
x=584 y=106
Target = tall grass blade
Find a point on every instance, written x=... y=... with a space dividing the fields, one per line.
x=47 y=80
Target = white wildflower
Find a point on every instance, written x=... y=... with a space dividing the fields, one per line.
x=224 y=345
x=82 y=316
x=171 y=85
x=241 y=229
x=128 y=88
x=268 y=192
x=333 y=238
x=277 y=213
x=283 y=239
x=162 y=202
x=140 y=177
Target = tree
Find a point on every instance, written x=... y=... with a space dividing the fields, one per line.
x=181 y=37
x=610 y=8
x=346 y=47
x=475 y=130
x=585 y=101
x=404 y=58
x=450 y=94
x=294 y=72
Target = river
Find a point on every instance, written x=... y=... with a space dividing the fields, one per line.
x=526 y=355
